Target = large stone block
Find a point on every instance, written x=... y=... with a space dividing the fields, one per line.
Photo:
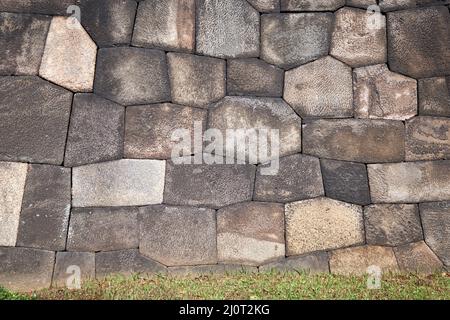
x=312 y=263
x=212 y=269
x=434 y=96
x=391 y=5
x=265 y=5
x=360 y=3
x=417 y=257
x=54 y=7
x=67 y=263
x=311 y=5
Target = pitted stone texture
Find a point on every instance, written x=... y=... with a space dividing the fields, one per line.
x=95 y=132
x=64 y=264
x=227 y=29
x=254 y=77
x=409 y=182
x=391 y=5
x=322 y=88
x=103 y=229
x=346 y=181
x=12 y=184
x=291 y=39
x=178 y=236
x=322 y=224
x=434 y=97
x=212 y=269
x=196 y=81
x=250 y=233
x=427 y=138
x=23 y=40
x=24 y=269
x=419 y=42
x=132 y=75
x=118 y=183
x=392 y=224
x=382 y=94
x=417 y=257
x=34 y=116
x=45 y=208
x=298 y=178
x=149 y=129
x=69 y=55
x=436 y=227
x=265 y=5
x=55 y=7
x=357 y=140
x=169 y=25
x=311 y=5
x=361 y=3
x=313 y=263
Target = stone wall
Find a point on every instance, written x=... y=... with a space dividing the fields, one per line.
x=87 y=112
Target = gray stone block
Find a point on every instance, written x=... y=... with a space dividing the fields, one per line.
x=417 y=257
x=313 y=263
x=209 y=270
x=53 y=7
x=265 y=5
x=311 y=5
x=434 y=97
x=67 y=264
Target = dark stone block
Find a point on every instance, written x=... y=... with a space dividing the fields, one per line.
x=434 y=97
x=313 y=263
x=56 y=7
x=65 y=261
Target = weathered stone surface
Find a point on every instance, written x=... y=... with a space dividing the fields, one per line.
x=357 y=140
x=392 y=224
x=169 y=25
x=227 y=29
x=58 y=7
x=45 y=208
x=436 y=226
x=23 y=40
x=292 y=39
x=382 y=94
x=12 y=184
x=103 y=229
x=212 y=269
x=254 y=77
x=361 y=3
x=391 y=5
x=69 y=55
x=119 y=183
x=298 y=178
x=132 y=75
x=345 y=181
x=178 y=236
x=427 y=138
x=417 y=257
x=250 y=233
x=196 y=81
x=24 y=269
x=322 y=224
x=322 y=88
x=434 y=97
x=313 y=263
x=265 y=5
x=95 y=132
x=311 y=5
x=409 y=182
x=65 y=261
x=34 y=116
x=419 y=42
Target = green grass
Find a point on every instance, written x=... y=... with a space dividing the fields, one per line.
x=252 y=286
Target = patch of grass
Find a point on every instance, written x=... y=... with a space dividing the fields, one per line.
x=8 y=295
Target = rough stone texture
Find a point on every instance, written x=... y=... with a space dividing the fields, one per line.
x=427 y=138
x=132 y=75
x=345 y=181
x=213 y=269
x=313 y=263
x=250 y=233
x=322 y=88
x=417 y=257
x=434 y=97
x=45 y=208
x=12 y=184
x=311 y=5
x=291 y=39
x=178 y=236
x=361 y=3
x=65 y=261
x=227 y=29
x=419 y=42
x=392 y=224
x=69 y=55
x=254 y=77
x=265 y=5
x=119 y=183
x=391 y=5
x=357 y=140
x=57 y=7
x=322 y=224
x=169 y=25
x=196 y=81
x=382 y=94
x=34 y=116
x=95 y=132
x=103 y=229
x=298 y=178
x=409 y=182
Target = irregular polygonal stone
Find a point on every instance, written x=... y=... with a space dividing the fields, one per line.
x=421 y=3
x=178 y=236
x=119 y=183
x=311 y=5
x=213 y=269
x=132 y=75
x=250 y=233
x=361 y=3
x=298 y=178
x=391 y=5
x=312 y=263
x=322 y=224
x=419 y=42
x=434 y=97
x=409 y=182
x=196 y=81
x=417 y=257
x=322 y=88
x=382 y=94
x=34 y=116
x=95 y=132
x=292 y=39
x=55 y=7
x=265 y=5
x=64 y=268
x=227 y=29
x=355 y=140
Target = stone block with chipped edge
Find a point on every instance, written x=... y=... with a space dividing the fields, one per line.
x=417 y=257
